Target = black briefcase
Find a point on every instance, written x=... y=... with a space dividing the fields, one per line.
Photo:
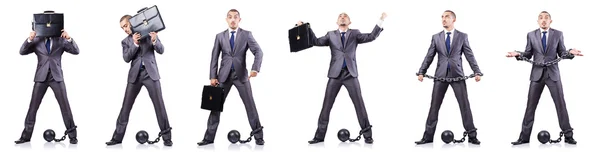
x=48 y=24
x=213 y=98
x=147 y=20
x=300 y=37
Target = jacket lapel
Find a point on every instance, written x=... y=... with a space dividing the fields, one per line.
x=225 y=38
x=454 y=40
x=348 y=33
x=236 y=43
x=442 y=42
x=338 y=39
x=550 y=40
x=538 y=41
x=54 y=45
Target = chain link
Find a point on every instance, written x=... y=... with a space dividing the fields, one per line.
x=160 y=134
x=251 y=135
x=462 y=139
x=559 y=138
x=65 y=135
x=360 y=134
x=543 y=64
x=455 y=79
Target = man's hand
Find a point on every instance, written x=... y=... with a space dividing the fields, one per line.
x=252 y=74
x=421 y=78
x=477 y=78
x=31 y=35
x=214 y=82
x=65 y=34
x=512 y=54
x=575 y=52
x=153 y=36
x=136 y=38
x=383 y=16
x=299 y=23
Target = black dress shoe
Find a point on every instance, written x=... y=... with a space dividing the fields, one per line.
x=315 y=140
x=168 y=142
x=204 y=142
x=570 y=140
x=21 y=140
x=519 y=142
x=369 y=140
x=423 y=141
x=73 y=140
x=260 y=141
x=112 y=142
x=474 y=141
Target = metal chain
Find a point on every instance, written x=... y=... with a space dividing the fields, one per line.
x=160 y=134
x=360 y=134
x=455 y=79
x=252 y=134
x=543 y=64
x=462 y=139
x=65 y=135
x=559 y=138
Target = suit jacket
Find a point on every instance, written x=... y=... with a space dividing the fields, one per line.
x=143 y=52
x=347 y=51
x=50 y=61
x=459 y=45
x=555 y=48
x=236 y=56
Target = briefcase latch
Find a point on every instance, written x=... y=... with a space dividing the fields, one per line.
x=145 y=22
x=298 y=37
x=48 y=24
x=209 y=97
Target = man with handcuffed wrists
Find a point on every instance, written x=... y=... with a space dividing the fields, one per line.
x=545 y=44
x=450 y=44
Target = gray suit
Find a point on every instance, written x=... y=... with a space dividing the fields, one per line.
x=48 y=74
x=545 y=76
x=343 y=76
x=449 y=65
x=233 y=72
x=145 y=74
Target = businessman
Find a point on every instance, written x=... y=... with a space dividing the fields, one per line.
x=450 y=44
x=343 y=71
x=545 y=44
x=232 y=45
x=143 y=72
x=49 y=51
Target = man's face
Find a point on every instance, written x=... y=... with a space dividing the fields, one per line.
x=343 y=20
x=544 y=20
x=233 y=20
x=126 y=26
x=448 y=20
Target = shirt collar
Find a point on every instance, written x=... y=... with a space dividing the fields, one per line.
x=542 y=30
x=236 y=30
x=452 y=31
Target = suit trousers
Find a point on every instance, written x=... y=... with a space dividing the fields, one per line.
x=131 y=92
x=333 y=88
x=533 y=98
x=437 y=97
x=60 y=92
x=245 y=91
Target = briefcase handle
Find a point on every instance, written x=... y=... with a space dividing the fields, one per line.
x=145 y=8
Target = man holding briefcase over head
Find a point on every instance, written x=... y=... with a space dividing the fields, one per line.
x=343 y=72
x=233 y=44
x=143 y=72
x=49 y=43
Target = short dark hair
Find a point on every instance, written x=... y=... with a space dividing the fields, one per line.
x=125 y=17
x=234 y=10
x=451 y=12
x=546 y=13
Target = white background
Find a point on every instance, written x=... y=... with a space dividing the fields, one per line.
x=290 y=88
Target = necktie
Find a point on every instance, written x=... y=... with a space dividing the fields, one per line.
x=544 y=44
x=231 y=43
x=343 y=44
x=48 y=45
x=448 y=46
